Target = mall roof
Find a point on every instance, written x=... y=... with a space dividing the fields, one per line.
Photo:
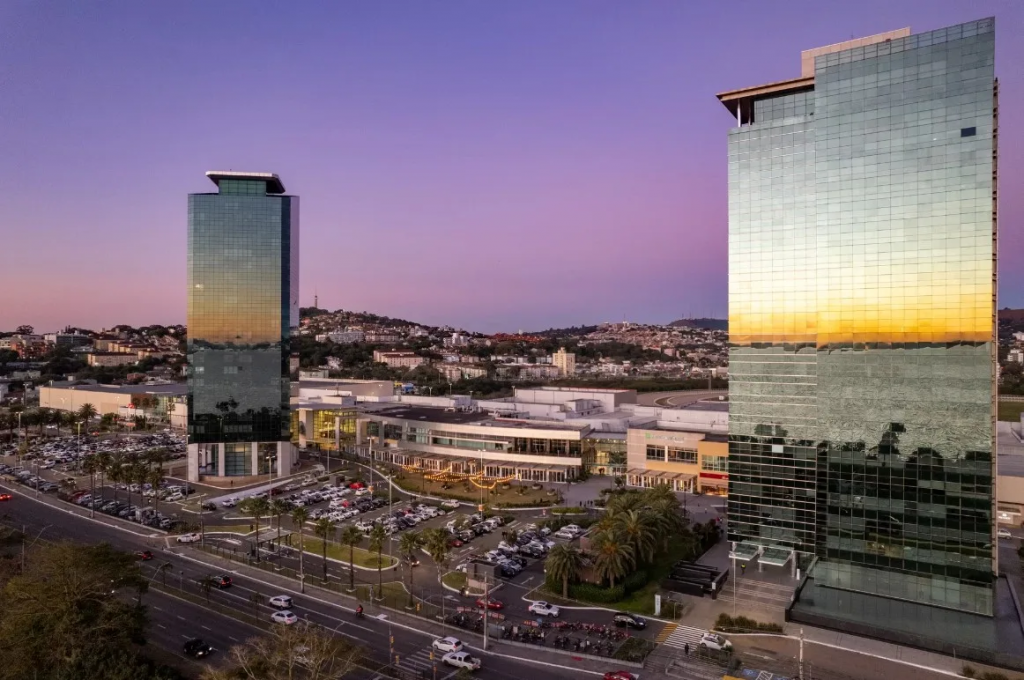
x=274 y=185
x=173 y=390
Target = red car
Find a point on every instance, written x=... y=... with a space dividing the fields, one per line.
x=5 y=496
x=619 y=675
x=455 y=542
x=490 y=604
x=144 y=555
x=356 y=485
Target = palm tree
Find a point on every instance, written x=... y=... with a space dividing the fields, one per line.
x=324 y=528
x=115 y=471
x=103 y=461
x=90 y=466
x=437 y=542
x=637 y=527
x=155 y=477
x=257 y=508
x=613 y=556
x=277 y=508
x=564 y=563
x=377 y=539
x=86 y=413
x=42 y=418
x=299 y=517
x=408 y=544
x=351 y=537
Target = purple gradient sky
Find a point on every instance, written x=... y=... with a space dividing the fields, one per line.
x=490 y=165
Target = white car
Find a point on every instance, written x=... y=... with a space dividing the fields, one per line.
x=229 y=502
x=191 y=537
x=461 y=660
x=544 y=609
x=451 y=505
x=362 y=492
x=572 y=528
x=1004 y=533
x=176 y=496
x=567 y=535
x=281 y=602
x=715 y=642
x=285 y=617
x=448 y=644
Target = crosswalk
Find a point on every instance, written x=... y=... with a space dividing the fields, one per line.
x=418 y=664
x=681 y=636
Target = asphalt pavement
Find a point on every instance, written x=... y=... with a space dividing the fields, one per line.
x=175 y=620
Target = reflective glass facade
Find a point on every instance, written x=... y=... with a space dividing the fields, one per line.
x=861 y=316
x=242 y=302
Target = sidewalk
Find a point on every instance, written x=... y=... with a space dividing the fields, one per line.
x=422 y=626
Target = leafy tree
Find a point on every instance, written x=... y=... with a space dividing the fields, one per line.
x=60 y=621
x=299 y=517
x=408 y=544
x=155 y=477
x=324 y=528
x=564 y=563
x=351 y=537
x=302 y=650
x=257 y=508
x=377 y=539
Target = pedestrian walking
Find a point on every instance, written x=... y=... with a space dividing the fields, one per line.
x=686 y=649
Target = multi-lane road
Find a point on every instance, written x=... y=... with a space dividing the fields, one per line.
x=175 y=619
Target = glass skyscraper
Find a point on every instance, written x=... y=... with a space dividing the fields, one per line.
x=862 y=283
x=243 y=249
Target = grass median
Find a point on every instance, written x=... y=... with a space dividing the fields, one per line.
x=361 y=557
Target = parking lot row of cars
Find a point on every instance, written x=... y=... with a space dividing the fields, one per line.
x=64 y=453
x=121 y=508
x=26 y=477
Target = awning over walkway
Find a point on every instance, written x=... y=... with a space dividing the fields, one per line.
x=776 y=556
x=745 y=551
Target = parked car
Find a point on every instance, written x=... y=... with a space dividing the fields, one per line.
x=1004 y=533
x=447 y=644
x=541 y=608
x=461 y=660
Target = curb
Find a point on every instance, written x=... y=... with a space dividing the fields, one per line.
x=573 y=655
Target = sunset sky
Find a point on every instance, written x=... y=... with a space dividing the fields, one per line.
x=491 y=165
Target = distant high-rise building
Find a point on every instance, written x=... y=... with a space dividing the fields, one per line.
x=862 y=284
x=243 y=291
x=564 y=361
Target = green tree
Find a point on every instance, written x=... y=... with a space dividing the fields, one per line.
x=103 y=463
x=408 y=544
x=377 y=539
x=278 y=508
x=613 y=556
x=324 y=528
x=351 y=537
x=299 y=517
x=257 y=508
x=437 y=542
x=86 y=413
x=155 y=477
x=206 y=584
x=60 y=621
x=637 y=527
x=91 y=466
x=564 y=563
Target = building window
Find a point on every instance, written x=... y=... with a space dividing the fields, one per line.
x=968 y=131
x=715 y=463
x=682 y=456
x=655 y=452
x=237 y=459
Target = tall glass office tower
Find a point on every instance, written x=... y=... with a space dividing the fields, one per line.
x=862 y=274
x=243 y=250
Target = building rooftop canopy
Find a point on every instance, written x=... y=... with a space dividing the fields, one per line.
x=274 y=185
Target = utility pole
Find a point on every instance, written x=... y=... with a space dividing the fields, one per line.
x=202 y=525
x=735 y=577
